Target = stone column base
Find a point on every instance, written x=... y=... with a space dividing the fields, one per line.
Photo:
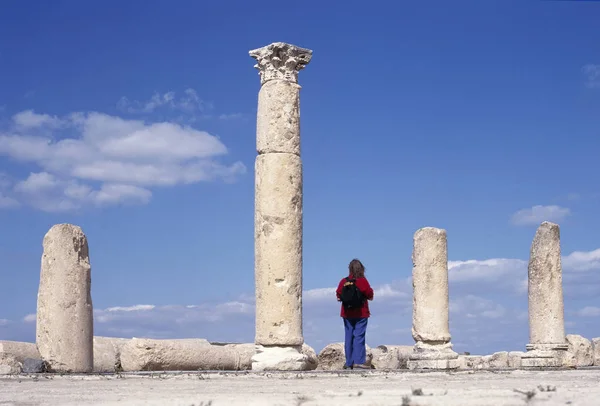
x=433 y=356
x=276 y=358
x=544 y=355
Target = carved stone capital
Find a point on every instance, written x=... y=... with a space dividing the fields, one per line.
x=280 y=61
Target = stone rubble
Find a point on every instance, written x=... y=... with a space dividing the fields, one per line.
x=580 y=352
x=333 y=357
x=596 y=350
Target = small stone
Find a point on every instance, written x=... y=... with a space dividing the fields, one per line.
x=514 y=359
x=9 y=365
x=580 y=351
x=275 y=358
x=470 y=362
x=391 y=356
x=34 y=366
x=333 y=357
x=596 y=348
x=498 y=360
x=311 y=357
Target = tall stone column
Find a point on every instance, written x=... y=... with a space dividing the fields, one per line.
x=64 y=330
x=278 y=210
x=547 y=340
x=431 y=329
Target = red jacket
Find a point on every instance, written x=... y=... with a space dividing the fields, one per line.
x=363 y=285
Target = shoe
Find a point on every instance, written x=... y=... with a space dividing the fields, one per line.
x=362 y=366
x=348 y=367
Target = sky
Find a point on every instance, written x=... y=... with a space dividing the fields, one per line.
x=137 y=122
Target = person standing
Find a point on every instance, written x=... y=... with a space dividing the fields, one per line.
x=354 y=291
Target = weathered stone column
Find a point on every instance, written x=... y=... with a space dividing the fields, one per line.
x=547 y=342
x=278 y=210
x=64 y=330
x=431 y=330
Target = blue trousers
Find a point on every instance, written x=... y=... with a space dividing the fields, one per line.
x=356 y=352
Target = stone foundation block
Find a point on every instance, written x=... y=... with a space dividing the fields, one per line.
x=20 y=350
x=333 y=357
x=275 y=358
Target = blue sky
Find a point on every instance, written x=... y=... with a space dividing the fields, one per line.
x=478 y=117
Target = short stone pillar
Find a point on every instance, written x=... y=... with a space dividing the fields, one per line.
x=64 y=330
x=431 y=329
x=278 y=210
x=547 y=340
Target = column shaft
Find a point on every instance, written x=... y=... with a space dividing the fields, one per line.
x=278 y=245
x=546 y=307
x=64 y=330
x=430 y=284
x=430 y=329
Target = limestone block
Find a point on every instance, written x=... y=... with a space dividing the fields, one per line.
x=470 y=361
x=9 y=365
x=142 y=354
x=34 y=366
x=391 y=356
x=278 y=118
x=514 y=359
x=546 y=308
x=278 y=358
x=107 y=353
x=498 y=360
x=312 y=359
x=580 y=352
x=333 y=357
x=542 y=359
x=246 y=351
x=430 y=286
x=19 y=350
x=278 y=250
x=596 y=350
x=64 y=331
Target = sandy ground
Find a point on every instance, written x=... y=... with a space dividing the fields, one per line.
x=571 y=387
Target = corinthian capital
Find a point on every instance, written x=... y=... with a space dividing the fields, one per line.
x=280 y=61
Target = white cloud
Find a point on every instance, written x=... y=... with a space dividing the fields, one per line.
x=29 y=120
x=538 y=214
x=590 y=311
x=8 y=202
x=592 y=75
x=472 y=306
x=4 y=322
x=131 y=308
x=188 y=103
x=30 y=318
x=579 y=261
x=97 y=159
